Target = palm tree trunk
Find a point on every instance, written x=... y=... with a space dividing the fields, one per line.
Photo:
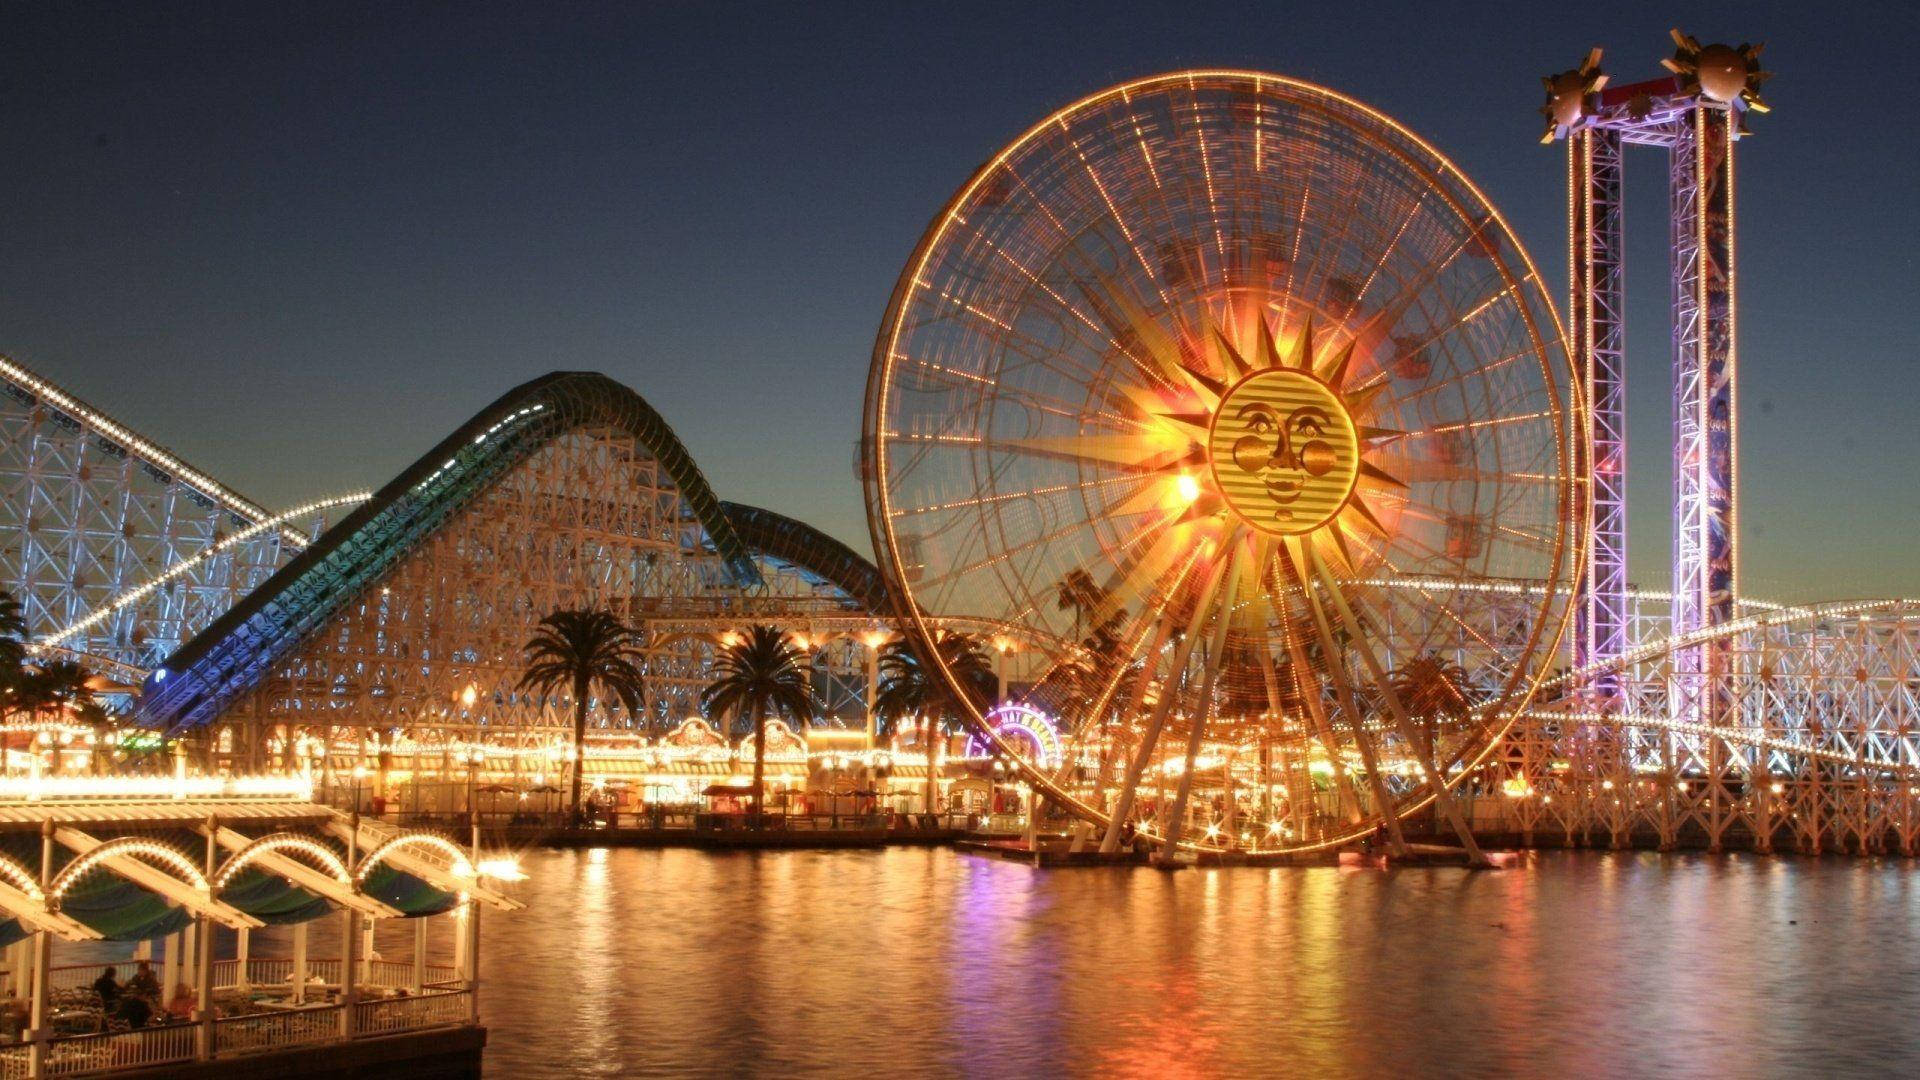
x=579 y=742
x=759 y=760
x=933 y=784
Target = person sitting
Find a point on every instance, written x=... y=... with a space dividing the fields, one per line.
x=13 y=1017
x=144 y=984
x=108 y=988
x=183 y=1003
x=135 y=1010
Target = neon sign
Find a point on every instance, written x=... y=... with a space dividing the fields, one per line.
x=1018 y=724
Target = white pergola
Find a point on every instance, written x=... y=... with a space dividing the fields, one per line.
x=125 y=831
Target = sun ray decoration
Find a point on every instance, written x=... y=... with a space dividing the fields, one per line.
x=1725 y=73
x=1567 y=95
x=1238 y=385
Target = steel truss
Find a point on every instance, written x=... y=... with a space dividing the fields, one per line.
x=1820 y=751
x=586 y=520
x=606 y=542
x=1697 y=132
x=568 y=492
x=1599 y=324
x=91 y=511
x=1698 y=135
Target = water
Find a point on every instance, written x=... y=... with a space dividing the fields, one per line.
x=914 y=962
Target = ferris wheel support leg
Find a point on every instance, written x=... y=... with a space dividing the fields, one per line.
x=1158 y=634
x=1178 y=822
x=1396 y=837
x=1442 y=795
x=1123 y=807
x=1317 y=716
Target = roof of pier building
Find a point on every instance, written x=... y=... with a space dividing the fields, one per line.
x=133 y=858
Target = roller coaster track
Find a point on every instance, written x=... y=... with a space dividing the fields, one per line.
x=180 y=569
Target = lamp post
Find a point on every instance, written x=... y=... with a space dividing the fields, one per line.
x=873 y=640
x=998 y=775
x=475 y=756
x=350 y=935
x=882 y=771
x=1001 y=647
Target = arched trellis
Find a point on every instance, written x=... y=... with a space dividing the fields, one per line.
x=162 y=856
x=18 y=877
x=459 y=864
x=320 y=855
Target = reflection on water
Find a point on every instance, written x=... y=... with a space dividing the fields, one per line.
x=914 y=962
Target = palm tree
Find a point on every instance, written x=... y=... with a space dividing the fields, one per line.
x=578 y=650
x=62 y=686
x=1429 y=689
x=1080 y=594
x=762 y=673
x=13 y=653
x=908 y=689
x=13 y=633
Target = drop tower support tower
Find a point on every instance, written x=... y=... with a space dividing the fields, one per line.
x=1696 y=114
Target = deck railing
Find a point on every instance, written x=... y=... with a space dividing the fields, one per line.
x=259 y=972
x=441 y=1002
x=444 y=1008
x=109 y=1051
x=235 y=1035
x=72 y=979
x=690 y=819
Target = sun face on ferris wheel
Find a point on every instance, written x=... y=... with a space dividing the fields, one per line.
x=1283 y=448
x=1281 y=434
x=1239 y=393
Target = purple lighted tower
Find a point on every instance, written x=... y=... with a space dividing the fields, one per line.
x=1696 y=114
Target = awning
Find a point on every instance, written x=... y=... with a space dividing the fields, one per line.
x=273 y=899
x=300 y=874
x=119 y=910
x=407 y=863
x=408 y=894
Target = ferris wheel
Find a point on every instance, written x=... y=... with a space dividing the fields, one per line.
x=1247 y=390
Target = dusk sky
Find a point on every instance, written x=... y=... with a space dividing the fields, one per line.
x=299 y=248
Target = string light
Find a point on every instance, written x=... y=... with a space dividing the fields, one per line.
x=457 y=859
x=17 y=876
x=141 y=592
x=132 y=846
x=266 y=845
x=154 y=453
